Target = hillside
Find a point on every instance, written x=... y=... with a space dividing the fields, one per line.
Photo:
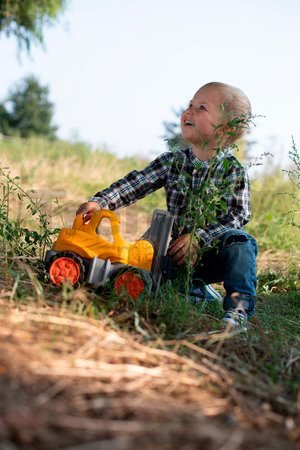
x=83 y=371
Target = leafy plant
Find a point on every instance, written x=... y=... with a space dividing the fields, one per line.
x=272 y=281
x=294 y=176
x=17 y=239
x=208 y=201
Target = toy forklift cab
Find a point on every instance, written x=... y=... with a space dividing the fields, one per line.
x=80 y=254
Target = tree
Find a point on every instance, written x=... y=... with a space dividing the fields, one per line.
x=4 y=120
x=173 y=136
x=27 y=111
x=26 y=19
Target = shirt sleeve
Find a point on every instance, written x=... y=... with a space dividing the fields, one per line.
x=238 y=211
x=135 y=185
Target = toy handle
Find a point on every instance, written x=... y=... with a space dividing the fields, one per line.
x=95 y=221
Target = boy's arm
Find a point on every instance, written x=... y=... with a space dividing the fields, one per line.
x=135 y=185
x=238 y=211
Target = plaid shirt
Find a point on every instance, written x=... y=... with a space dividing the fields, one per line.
x=180 y=173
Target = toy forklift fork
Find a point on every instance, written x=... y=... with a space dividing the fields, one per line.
x=159 y=235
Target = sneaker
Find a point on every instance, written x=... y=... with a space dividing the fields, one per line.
x=236 y=318
x=212 y=294
x=204 y=293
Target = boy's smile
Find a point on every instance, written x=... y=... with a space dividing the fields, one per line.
x=199 y=120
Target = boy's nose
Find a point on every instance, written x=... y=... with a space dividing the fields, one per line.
x=188 y=112
x=189 y=115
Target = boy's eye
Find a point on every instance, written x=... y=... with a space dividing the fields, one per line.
x=200 y=107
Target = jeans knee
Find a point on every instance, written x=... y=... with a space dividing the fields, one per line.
x=237 y=238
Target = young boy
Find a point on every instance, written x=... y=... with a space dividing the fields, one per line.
x=210 y=125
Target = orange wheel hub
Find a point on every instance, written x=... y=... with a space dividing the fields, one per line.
x=64 y=269
x=130 y=283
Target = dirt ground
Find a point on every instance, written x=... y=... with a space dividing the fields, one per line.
x=69 y=382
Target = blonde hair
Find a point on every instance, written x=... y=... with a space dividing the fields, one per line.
x=236 y=105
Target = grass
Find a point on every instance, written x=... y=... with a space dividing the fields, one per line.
x=265 y=364
x=270 y=206
x=75 y=168
x=279 y=282
x=279 y=315
x=72 y=173
x=270 y=353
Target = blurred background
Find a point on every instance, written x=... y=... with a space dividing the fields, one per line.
x=116 y=70
x=89 y=90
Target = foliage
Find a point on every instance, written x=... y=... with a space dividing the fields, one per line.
x=269 y=206
x=27 y=111
x=16 y=239
x=168 y=314
x=294 y=176
x=26 y=19
x=265 y=364
x=206 y=202
x=172 y=135
x=273 y=281
x=77 y=170
x=294 y=173
x=4 y=120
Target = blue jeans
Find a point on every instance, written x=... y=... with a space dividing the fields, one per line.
x=233 y=262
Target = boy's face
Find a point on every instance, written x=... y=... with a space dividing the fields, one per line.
x=198 y=121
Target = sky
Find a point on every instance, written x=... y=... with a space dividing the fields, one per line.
x=116 y=69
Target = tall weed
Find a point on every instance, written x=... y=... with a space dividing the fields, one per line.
x=17 y=239
x=294 y=176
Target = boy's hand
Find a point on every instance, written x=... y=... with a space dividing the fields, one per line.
x=179 y=250
x=87 y=209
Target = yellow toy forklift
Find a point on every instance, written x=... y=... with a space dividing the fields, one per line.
x=81 y=255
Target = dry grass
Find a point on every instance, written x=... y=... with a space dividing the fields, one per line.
x=66 y=380
x=75 y=382
x=72 y=170
x=280 y=261
x=69 y=381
